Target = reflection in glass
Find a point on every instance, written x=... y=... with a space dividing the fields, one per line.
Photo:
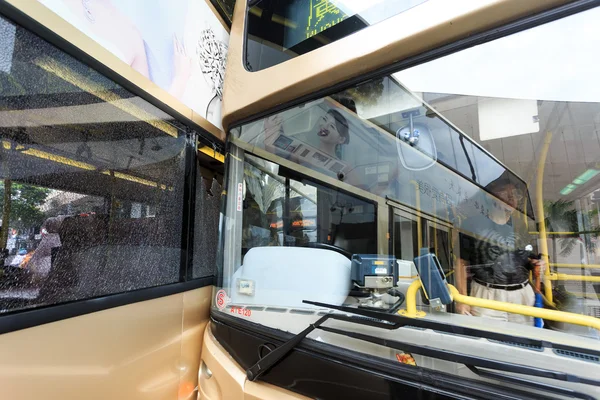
x=225 y=8
x=278 y=31
x=471 y=205
x=92 y=183
x=206 y=233
x=279 y=211
x=383 y=143
x=405 y=238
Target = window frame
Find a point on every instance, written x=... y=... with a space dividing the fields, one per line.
x=334 y=351
x=195 y=136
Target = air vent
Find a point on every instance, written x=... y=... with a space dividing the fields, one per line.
x=520 y=345
x=577 y=355
x=275 y=309
x=322 y=313
x=594 y=311
x=302 y=312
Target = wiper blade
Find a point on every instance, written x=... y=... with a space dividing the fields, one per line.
x=530 y=384
x=465 y=359
x=390 y=322
x=268 y=361
x=453 y=329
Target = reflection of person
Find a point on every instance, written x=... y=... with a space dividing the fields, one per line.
x=41 y=260
x=103 y=22
x=331 y=131
x=496 y=259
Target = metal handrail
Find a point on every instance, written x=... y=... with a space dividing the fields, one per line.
x=565 y=277
x=566 y=265
x=540 y=214
x=552 y=315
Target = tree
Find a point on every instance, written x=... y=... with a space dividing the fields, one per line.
x=561 y=216
x=21 y=203
x=369 y=93
x=6 y=205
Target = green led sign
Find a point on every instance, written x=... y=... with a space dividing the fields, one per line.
x=323 y=14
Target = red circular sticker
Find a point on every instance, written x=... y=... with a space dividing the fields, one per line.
x=221 y=299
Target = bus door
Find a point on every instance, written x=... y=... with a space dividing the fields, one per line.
x=437 y=237
x=407 y=236
x=412 y=232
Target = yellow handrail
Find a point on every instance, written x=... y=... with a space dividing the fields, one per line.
x=411 y=300
x=565 y=277
x=593 y=295
x=554 y=233
x=565 y=265
x=552 y=315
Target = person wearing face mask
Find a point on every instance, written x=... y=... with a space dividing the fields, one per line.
x=493 y=254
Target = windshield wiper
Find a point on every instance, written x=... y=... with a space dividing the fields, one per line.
x=454 y=329
x=530 y=384
x=390 y=322
x=471 y=361
x=269 y=360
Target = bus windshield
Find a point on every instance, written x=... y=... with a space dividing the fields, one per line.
x=449 y=206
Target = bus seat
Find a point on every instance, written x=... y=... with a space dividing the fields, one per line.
x=284 y=276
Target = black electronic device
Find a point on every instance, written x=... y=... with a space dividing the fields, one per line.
x=375 y=278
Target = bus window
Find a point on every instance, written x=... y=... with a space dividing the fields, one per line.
x=91 y=186
x=279 y=211
x=206 y=222
x=483 y=177
x=225 y=9
x=290 y=229
x=278 y=31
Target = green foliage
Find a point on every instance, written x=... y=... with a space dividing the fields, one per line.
x=25 y=210
x=561 y=216
x=369 y=93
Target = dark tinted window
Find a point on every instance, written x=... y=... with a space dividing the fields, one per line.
x=280 y=30
x=91 y=181
x=279 y=211
x=206 y=232
x=225 y=8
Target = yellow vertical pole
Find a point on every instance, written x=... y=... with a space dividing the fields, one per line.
x=539 y=189
x=435 y=239
x=525 y=218
x=418 y=206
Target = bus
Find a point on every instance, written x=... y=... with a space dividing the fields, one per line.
x=111 y=169
x=409 y=205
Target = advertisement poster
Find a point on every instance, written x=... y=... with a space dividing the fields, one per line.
x=178 y=44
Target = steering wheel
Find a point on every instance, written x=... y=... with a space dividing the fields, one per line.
x=325 y=246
